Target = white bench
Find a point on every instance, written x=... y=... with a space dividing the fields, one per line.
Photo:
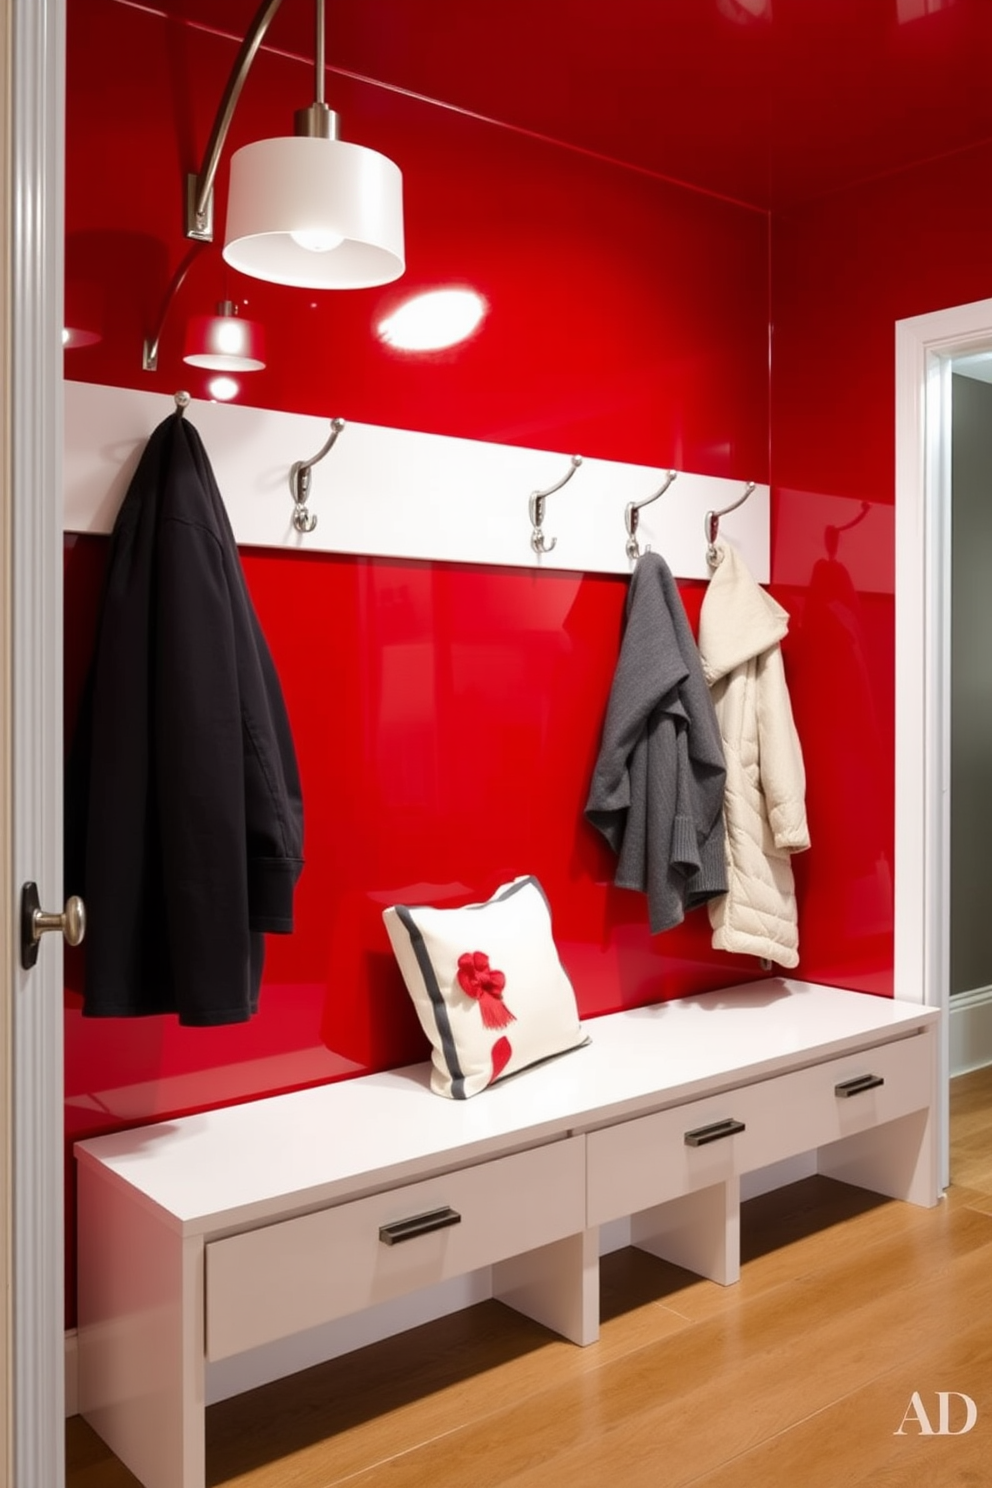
x=217 y=1233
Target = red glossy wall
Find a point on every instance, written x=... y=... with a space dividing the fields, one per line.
x=844 y=269
x=446 y=721
x=446 y=717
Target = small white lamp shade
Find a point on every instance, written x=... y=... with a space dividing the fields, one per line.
x=224 y=342
x=318 y=213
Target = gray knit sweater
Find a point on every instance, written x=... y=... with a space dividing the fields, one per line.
x=657 y=789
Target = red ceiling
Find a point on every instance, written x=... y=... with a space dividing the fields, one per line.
x=764 y=101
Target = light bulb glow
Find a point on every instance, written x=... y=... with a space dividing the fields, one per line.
x=428 y=322
x=229 y=337
x=223 y=388
x=317 y=240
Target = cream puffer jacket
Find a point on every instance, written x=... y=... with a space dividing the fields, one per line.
x=740 y=629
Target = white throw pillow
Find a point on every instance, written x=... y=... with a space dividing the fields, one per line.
x=489 y=990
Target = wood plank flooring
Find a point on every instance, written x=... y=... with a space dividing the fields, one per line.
x=798 y=1377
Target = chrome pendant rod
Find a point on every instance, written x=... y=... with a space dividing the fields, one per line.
x=318 y=56
x=317 y=121
x=199 y=188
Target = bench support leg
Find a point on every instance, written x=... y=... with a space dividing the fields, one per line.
x=556 y=1285
x=141 y=1371
x=898 y=1159
x=699 y=1231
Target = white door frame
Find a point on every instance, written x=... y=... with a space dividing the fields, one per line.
x=925 y=345
x=6 y=794
x=31 y=740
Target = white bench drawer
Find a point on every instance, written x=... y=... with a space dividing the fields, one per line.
x=650 y=1159
x=274 y=1281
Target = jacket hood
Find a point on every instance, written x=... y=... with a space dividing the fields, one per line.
x=739 y=620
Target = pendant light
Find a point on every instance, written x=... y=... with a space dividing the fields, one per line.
x=305 y=209
x=225 y=342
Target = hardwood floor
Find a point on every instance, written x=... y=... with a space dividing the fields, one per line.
x=798 y=1377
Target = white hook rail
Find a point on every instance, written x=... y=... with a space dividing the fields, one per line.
x=403 y=494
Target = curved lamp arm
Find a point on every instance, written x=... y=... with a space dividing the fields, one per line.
x=199 y=188
x=149 y=354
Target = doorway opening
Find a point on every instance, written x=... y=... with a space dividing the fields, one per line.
x=926 y=349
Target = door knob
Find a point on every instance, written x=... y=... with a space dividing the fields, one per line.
x=35 y=922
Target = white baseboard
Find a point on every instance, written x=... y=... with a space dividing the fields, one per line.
x=970 y=1030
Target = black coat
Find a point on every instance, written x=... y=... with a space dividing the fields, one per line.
x=183 y=810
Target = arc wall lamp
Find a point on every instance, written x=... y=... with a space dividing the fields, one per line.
x=223 y=342
x=307 y=209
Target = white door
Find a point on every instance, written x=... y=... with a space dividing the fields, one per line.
x=31 y=1247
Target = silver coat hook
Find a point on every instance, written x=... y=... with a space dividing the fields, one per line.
x=537 y=539
x=182 y=401
x=631 y=516
x=299 y=481
x=711 y=524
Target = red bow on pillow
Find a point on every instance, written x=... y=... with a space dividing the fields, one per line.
x=485 y=984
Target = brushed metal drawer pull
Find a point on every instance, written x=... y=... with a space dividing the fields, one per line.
x=858 y=1084
x=418 y=1224
x=713 y=1132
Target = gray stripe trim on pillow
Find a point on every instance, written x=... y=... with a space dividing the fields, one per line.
x=437 y=1002
x=509 y=891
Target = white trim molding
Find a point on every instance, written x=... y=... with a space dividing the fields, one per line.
x=35 y=247
x=7 y=896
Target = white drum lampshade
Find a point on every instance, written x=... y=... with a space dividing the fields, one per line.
x=314 y=212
